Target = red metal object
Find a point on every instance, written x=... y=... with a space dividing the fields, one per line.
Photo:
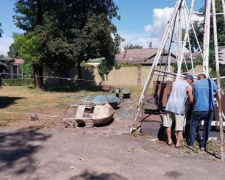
x=161 y=90
x=108 y=88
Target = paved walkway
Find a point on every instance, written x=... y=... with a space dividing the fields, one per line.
x=98 y=153
x=102 y=153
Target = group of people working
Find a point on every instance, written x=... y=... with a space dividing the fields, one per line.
x=200 y=94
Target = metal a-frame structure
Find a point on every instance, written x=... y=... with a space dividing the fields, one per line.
x=168 y=39
x=180 y=14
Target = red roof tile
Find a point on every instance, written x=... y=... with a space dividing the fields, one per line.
x=18 y=61
x=142 y=56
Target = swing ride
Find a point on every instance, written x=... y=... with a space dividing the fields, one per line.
x=175 y=39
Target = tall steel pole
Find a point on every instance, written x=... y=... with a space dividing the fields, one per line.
x=206 y=38
x=185 y=39
x=218 y=78
x=179 y=62
x=169 y=29
x=223 y=4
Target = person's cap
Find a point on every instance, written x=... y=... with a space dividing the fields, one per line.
x=188 y=76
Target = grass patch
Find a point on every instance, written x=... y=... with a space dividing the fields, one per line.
x=18 y=103
x=4 y=122
x=213 y=148
x=36 y=127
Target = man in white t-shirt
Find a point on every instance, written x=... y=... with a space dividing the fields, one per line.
x=175 y=108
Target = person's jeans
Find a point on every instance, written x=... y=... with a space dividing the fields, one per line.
x=207 y=117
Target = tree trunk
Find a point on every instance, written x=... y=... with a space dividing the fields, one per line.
x=38 y=76
x=39 y=13
x=79 y=75
x=37 y=67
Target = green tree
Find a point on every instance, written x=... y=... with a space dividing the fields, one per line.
x=69 y=32
x=184 y=67
x=24 y=47
x=199 y=28
x=4 y=62
x=221 y=40
x=29 y=14
x=84 y=30
x=132 y=46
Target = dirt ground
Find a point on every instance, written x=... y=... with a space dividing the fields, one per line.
x=44 y=149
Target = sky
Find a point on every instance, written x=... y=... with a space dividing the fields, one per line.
x=142 y=21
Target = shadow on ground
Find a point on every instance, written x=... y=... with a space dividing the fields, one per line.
x=72 y=88
x=6 y=101
x=93 y=175
x=17 y=149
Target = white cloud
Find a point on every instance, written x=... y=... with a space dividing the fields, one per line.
x=160 y=20
x=135 y=39
x=153 y=32
x=197 y=18
x=5 y=42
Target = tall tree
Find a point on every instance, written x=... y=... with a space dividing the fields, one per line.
x=132 y=46
x=71 y=31
x=199 y=27
x=87 y=32
x=29 y=14
x=25 y=47
x=4 y=62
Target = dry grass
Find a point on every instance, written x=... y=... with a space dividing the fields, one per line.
x=19 y=103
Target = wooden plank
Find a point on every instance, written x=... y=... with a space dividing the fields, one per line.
x=80 y=112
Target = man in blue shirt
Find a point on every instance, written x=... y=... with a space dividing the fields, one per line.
x=203 y=92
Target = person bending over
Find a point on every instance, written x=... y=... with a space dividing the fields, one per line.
x=175 y=108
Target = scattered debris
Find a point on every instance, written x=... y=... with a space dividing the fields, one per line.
x=34 y=117
x=126 y=92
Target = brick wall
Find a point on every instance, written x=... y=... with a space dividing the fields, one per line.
x=124 y=77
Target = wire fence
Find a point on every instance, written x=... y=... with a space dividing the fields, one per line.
x=157 y=87
x=74 y=79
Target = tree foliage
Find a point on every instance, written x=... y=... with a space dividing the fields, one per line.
x=184 y=67
x=199 y=28
x=29 y=14
x=132 y=46
x=4 y=62
x=69 y=32
x=25 y=47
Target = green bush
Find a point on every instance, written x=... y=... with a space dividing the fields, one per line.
x=183 y=67
x=17 y=82
x=123 y=64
